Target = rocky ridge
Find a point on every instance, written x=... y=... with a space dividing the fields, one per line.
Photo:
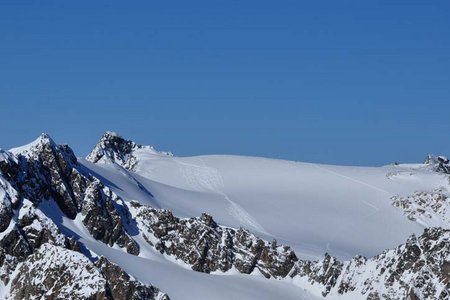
x=418 y=268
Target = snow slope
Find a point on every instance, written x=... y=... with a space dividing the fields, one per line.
x=314 y=208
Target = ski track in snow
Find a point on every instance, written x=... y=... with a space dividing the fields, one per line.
x=375 y=208
x=356 y=181
x=204 y=178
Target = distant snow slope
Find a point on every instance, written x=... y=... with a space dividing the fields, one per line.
x=314 y=208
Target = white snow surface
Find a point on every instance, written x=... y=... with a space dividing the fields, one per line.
x=314 y=208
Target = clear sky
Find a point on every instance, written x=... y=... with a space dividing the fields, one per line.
x=342 y=82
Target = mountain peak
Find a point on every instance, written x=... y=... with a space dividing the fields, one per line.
x=112 y=147
x=43 y=141
x=109 y=134
x=438 y=163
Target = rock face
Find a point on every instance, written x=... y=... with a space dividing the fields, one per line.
x=67 y=274
x=46 y=170
x=43 y=171
x=438 y=163
x=121 y=286
x=207 y=247
x=60 y=273
x=419 y=269
x=114 y=148
x=434 y=207
x=102 y=218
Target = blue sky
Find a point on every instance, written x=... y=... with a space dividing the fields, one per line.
x=342 y=82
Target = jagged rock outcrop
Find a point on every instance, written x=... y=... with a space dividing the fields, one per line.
x=56 y=273
x=36 y=260
x=7 y=198
x=419 y=268
x=44 y=170
x=121 y=286
x=65 y=273
x=438 y=163
x=324 y=272
x=427 y=207
x=207 y=247
x=114 y=148
x=101 y=216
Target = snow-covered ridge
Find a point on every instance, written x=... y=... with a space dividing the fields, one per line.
x=103 y=214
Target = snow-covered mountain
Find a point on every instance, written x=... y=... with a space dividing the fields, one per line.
x=130 y=222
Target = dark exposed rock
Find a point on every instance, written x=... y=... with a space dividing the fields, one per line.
x=37 y=229
x=208 y=247
x=424 y=205
x=324 y=272
x=15 y=244
x=114 y=148
x=69 y=274
x=65 y=273
x=8 y=264
x=417 y=269
x=103 y=220
x=438 y=163
x=122 y=286
x=44 y=170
